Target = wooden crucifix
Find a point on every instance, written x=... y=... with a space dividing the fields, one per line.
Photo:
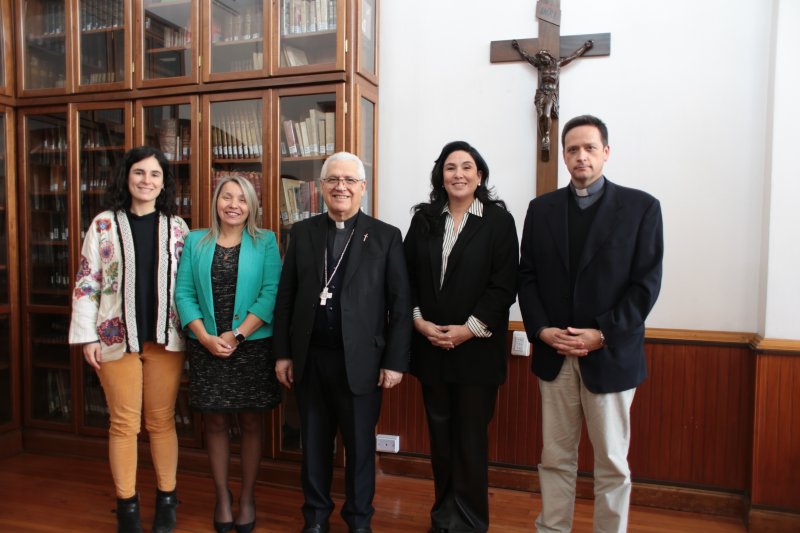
x=545 y=53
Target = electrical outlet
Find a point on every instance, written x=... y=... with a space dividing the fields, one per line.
x=520 y=344
x=387 y=443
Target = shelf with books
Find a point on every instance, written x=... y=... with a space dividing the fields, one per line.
x=102 y=58
x=103 y=134
x=167 y=124
x=309 y=34
x=100 y=15
x=43 y=23
x=236 y=138
x=95 y=410
x=167 y=44
x=237 y=40
x=103 y=54
x=306 y=137
x=49 y=367
x=302 y=17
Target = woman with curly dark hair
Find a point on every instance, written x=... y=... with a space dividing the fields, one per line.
x=123 y=313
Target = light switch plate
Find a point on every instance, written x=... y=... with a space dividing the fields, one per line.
x=519 y=344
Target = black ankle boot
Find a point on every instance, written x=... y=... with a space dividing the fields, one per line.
x=165 y=518
x=128 y=515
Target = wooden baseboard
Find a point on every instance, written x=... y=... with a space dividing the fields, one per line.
x=768 y=521
x=646 y=494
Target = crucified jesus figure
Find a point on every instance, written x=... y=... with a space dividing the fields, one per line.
x=546 y=99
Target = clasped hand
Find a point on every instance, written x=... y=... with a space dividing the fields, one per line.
x=222 y=346
x=577 y=342
x=444 y=337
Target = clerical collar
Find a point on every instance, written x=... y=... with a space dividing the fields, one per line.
x=343 y=224
x=589 y=195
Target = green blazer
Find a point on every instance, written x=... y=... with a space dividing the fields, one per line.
x=256 y=284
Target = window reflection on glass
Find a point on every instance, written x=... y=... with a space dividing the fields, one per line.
x=167 y=39
x=102 y=41
x=237 y=35
x=44 y=44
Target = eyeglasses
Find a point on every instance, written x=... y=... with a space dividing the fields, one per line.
x=349 y=181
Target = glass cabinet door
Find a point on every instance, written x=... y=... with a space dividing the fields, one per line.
x=44 y=45
x=367 y=39
x=8 y=385
x=237 y=146
x=168 y=126
x=366 y=138
x=50 y=368
x=45 y=268
x=46 y=211
x=101 y=148
x=7 y=64
x=237 y=41
x=103 y=55
x=310 y=34
x=4 y=266
x=308 y=135
x=166 y=48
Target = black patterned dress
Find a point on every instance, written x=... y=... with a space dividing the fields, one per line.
x=246 y=380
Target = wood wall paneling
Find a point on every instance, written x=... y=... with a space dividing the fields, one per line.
x=691 y=418
x=776 y=454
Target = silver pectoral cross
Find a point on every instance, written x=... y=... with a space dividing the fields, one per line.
x=324 y=296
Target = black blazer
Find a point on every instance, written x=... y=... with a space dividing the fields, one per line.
x=618 y=281
x=375 y=306
x=480 y=280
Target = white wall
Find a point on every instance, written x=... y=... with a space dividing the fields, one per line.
x=781 y=257
x=684 y=93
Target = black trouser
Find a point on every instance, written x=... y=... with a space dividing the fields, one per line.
x=458 y=418
x=326 y=404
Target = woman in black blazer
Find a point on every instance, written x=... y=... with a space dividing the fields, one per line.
x=462 y=252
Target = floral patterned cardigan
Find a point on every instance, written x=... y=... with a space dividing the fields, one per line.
x=105 y=286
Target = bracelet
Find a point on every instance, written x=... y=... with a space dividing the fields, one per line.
x=602 y=339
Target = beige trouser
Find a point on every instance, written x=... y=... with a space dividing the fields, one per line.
x=564 y=402
x=150 y=379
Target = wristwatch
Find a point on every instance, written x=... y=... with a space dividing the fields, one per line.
x=240 y=338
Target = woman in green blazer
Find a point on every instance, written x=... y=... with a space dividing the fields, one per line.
x=225 y=295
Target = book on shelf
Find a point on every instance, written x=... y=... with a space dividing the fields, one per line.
x=330 y=132
x=236 y=136
x=300 y=199
x=306 y=140
x=317 y=142
x=291 y=142
x=288 y=185
x=313 y=135
x=168 y=137
x=293 y=56
x=307 y=16
x=59 y=396
x=253 y=177
x=301 y=149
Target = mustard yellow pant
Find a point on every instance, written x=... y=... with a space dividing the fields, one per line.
x=136 y=385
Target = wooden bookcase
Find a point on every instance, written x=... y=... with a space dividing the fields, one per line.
x=212 y=83
x=10 y=438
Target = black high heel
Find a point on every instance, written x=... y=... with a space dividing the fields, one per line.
x=250 y=526
x=246 y=528
x=224 y=527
